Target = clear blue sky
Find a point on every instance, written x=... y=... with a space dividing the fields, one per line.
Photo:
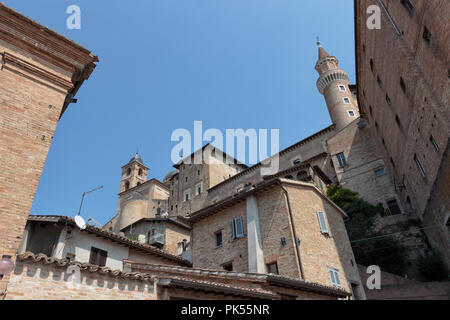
x=165 y=63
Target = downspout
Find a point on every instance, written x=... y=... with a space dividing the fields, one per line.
x=291 y=218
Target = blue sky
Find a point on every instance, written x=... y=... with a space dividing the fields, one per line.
x=165 y=63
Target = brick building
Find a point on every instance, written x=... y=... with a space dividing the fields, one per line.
x=40 y=73
x=403 y=91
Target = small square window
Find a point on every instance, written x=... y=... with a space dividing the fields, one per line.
x=380 y=172
x=351 y=113
x=228 y=267
x=272 y=268
x=346 y=100
x=393 y=207
x=342 y=88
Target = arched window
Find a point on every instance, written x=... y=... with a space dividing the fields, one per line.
x=127 y=185
x=129 y=171
x=140 y=172
x=138 y=184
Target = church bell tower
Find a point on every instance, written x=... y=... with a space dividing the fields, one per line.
x=134 y=173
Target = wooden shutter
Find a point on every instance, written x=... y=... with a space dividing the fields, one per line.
x=93 y=256
x=322 y=222
x=103 y=255
x=239 y=227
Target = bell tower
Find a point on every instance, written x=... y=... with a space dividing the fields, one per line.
x=134 y=173
x=333 y=83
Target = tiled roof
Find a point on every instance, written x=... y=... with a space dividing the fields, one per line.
x=215 y=275
x=112 y=236
x=42 y=258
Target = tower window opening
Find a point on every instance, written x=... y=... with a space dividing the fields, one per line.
x=342 y=88
x=426 y=35
x=346 y=100
x=129 y=171
x=419 y=165
x=403 y=85
x=140 y=172
x=341 y=159
x=127 y=186
x=409 y=6
x=351 y=113
x=434 y=143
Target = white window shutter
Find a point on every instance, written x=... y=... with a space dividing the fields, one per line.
x=322 y=222
x=239 y=227
x=338 y=280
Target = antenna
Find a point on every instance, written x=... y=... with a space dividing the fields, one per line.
x=94 y=223
x=78 y=219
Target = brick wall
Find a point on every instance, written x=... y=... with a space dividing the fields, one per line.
x=46 y=282
x=38 y=69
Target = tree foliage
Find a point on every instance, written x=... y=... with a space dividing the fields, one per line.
x=369 y=247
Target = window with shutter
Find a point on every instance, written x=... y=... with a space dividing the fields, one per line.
x=98 y=257
x=322 y=222
x=237 y=228
x=334 y=277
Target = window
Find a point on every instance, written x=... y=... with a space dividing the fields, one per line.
x=127 y=186
x=140 y=172
x=434 y=143
x=186 y=179
x=297 y=161
x=388 y=99
x=342 y=88
x=341 y=159
x=380 y=83
x=322 y=222
x=138 y=184
x=198 y=188
x=272 y=268
x=397 y=119
x=98 y=257
x=228 y=266
x=218 y=235
x=371 y=65
x=186 y=195
x=351 y=113
x=237 y=228
x=334 y=277
x=128 y=171
x=158 y=211
x=393 y=207
x=408 y=5
x=346 y=100
x=380 y=172
x=198 y=172
x=403 y=85
x=419 y=165
x=371 y=110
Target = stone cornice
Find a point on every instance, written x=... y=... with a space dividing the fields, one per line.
x=15 y=64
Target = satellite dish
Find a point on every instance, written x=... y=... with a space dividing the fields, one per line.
x=80 y=222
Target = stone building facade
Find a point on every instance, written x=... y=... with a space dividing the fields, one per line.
x=40 y=73
x=403 y=90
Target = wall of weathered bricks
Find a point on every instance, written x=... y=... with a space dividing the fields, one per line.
x=47 y=282
x=28 y=118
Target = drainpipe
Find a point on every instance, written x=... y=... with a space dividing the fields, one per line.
x=291 y=218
